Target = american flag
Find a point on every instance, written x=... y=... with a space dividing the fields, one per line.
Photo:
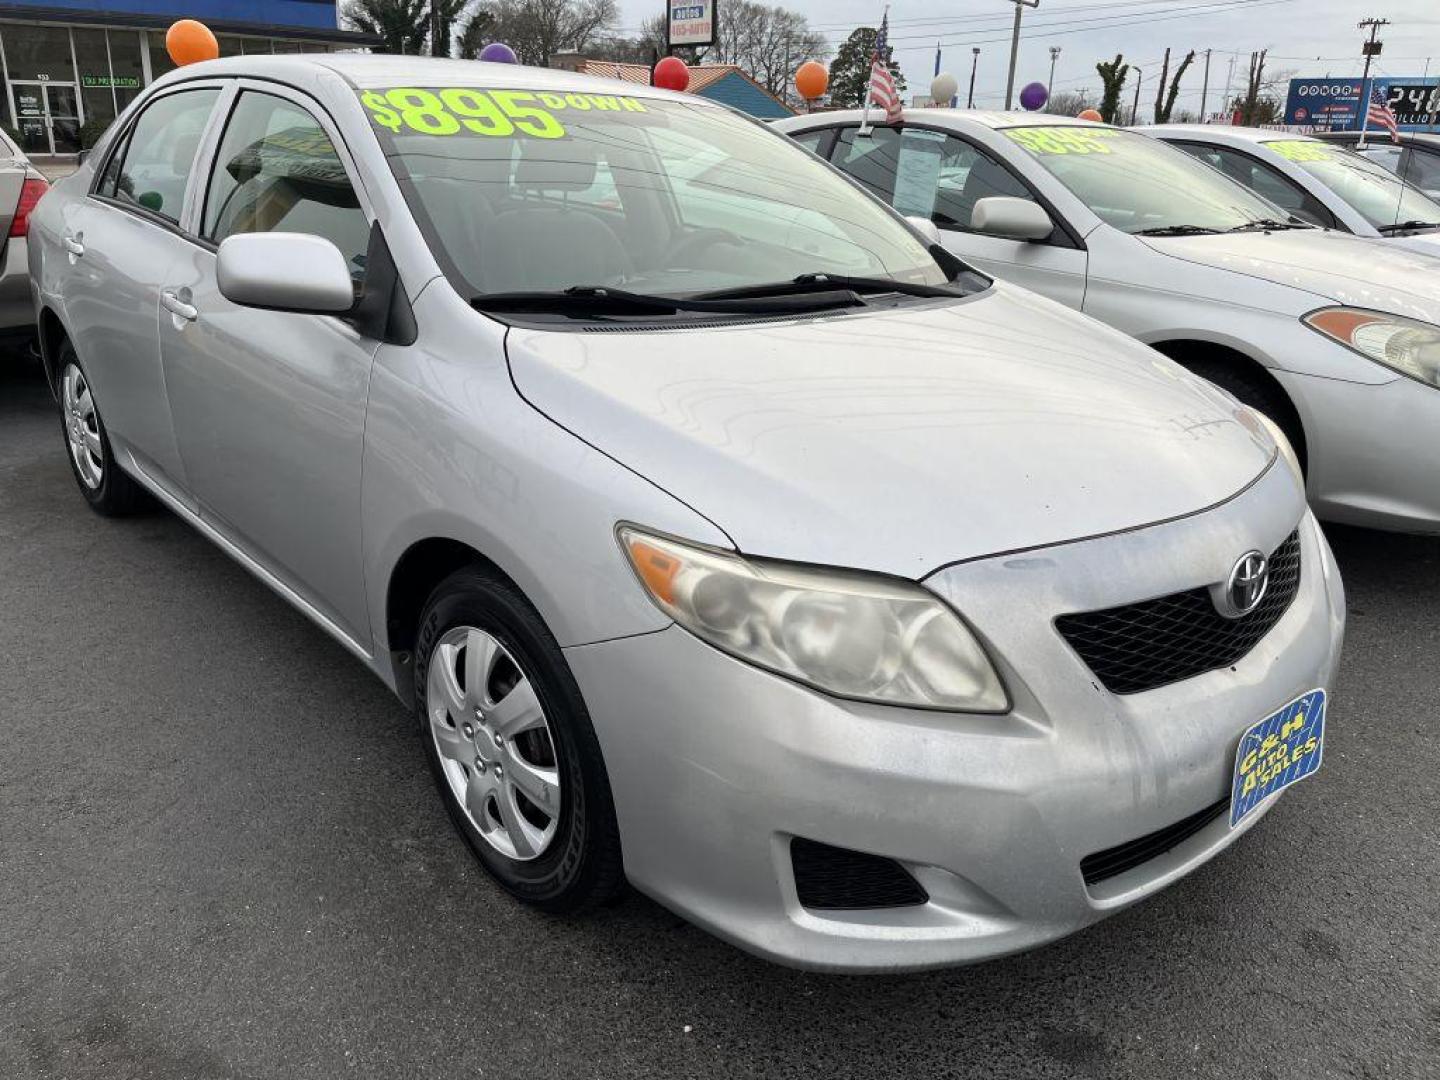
x=1382 y=115
x=882 y=83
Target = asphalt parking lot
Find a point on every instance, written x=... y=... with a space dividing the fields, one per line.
x=221 y=856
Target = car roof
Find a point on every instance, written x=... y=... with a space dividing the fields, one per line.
x=387 y=70
x=1223 y=131
x=991 y=118
x=1380 y=137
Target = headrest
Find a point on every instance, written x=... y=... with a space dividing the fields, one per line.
x=556 y=165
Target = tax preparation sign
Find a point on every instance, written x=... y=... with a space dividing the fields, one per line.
x=690 y=22
x=1335 y=104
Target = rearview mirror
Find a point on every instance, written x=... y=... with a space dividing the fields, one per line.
x=284 y=272
x=1011 y=218
x=926 y=228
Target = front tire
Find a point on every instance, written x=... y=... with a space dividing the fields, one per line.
x=1258 y=391
x=106 y=487
x=511 y=746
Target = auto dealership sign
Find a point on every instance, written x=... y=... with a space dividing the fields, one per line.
x=1335 y=104
x=690 y=22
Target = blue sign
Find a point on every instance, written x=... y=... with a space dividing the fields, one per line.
x=1280 y=750
x=1335 y=104
x=299 y=14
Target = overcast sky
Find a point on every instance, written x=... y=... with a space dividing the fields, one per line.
x=1310 y=37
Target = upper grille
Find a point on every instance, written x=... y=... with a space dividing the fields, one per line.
x=1156 y=642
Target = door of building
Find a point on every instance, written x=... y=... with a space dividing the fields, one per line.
x=48 y=117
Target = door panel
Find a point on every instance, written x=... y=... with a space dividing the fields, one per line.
x=269 y=407
x=120 y=256
x=1056 y=272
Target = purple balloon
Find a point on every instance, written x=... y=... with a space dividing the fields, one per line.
x=1034 y=96
x=497 y=52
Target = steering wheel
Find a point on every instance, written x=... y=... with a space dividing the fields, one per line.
x=690 y=246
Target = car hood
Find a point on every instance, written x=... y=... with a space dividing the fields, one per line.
x=1426 y=243
x=1347 y=269
x=901 y=441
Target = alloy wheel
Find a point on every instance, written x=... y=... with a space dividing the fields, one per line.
x=494 y=743
x=82 y=427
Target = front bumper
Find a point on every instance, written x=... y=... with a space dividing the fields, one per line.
x=1372 y=449
x=716 y=765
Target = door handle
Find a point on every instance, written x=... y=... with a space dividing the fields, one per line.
x=176 y=305
x=73 y=245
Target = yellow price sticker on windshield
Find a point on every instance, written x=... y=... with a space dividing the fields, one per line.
x=459 y=110
x=1063 y=140
x=1301 y=150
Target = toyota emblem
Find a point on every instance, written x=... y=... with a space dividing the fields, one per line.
x=1245 y=588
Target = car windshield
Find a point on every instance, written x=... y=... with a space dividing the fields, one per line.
x=1369 y=188
x=521 y=192
x=1139 y=184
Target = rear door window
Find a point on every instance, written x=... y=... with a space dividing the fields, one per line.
x=152 y=169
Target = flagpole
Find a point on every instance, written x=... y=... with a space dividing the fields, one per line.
x=865 y=116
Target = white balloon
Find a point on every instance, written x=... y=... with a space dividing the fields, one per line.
x=943 y=88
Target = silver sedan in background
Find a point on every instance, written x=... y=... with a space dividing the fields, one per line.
x=1335 y=338
x=722 y=533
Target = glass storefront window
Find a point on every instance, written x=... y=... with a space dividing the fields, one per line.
x=125 y=46
x=160 y=61
x=255 y=46
x=39 y=52
x=96 y=83
x=229 y=46
x=288 y=46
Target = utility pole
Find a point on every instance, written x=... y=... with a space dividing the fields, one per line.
x=1054 y=55
x=1371 y=49
x=1229 y=82
x=1205 y=87
x=1020 y=6
x=974 y=63
x=1135 y=109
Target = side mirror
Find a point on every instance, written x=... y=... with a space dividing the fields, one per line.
x=284 y=272
x=1011 y=218
x=926 y=228
x=82 y=157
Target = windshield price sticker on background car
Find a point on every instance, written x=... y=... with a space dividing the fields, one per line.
x=1300 y=150
x=460 y=110
x=1063 y=140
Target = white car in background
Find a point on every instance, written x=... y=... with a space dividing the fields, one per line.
x=1320 y=182
x=1336 y=338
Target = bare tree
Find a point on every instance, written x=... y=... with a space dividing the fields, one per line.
x=538 y=29
x=475 y=34
x=769 y=43
x=1165 y=99
x=1069 y=103
x=1250 y=105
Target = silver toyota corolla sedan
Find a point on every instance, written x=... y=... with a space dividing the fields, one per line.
x=723 y=534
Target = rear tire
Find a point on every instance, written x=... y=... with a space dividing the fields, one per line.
x=508 y=738
x=107 y=488
x=1257 y=390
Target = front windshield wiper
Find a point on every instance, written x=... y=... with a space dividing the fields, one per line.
x=1269 y=225
x=1406 y=226
x=811 y=283
x=1176 y=230
x=599 y=300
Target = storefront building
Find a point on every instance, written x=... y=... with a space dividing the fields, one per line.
x=68 y=71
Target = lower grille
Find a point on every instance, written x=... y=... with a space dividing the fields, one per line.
x=834 y=878
x=1156 y=642
x=1112 y=862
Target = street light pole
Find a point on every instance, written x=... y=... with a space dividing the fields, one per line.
x=1139 y=79
x=974 y=63
x=1054 y=55
x=1020 y=6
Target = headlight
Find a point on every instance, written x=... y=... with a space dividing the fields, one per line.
x=1405 y=345
x=850 y=634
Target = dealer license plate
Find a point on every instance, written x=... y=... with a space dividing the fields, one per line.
x=1280 y=750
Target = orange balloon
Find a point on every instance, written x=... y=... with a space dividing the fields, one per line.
x=1090 y=114
x=189 y=42
x=812 y=80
